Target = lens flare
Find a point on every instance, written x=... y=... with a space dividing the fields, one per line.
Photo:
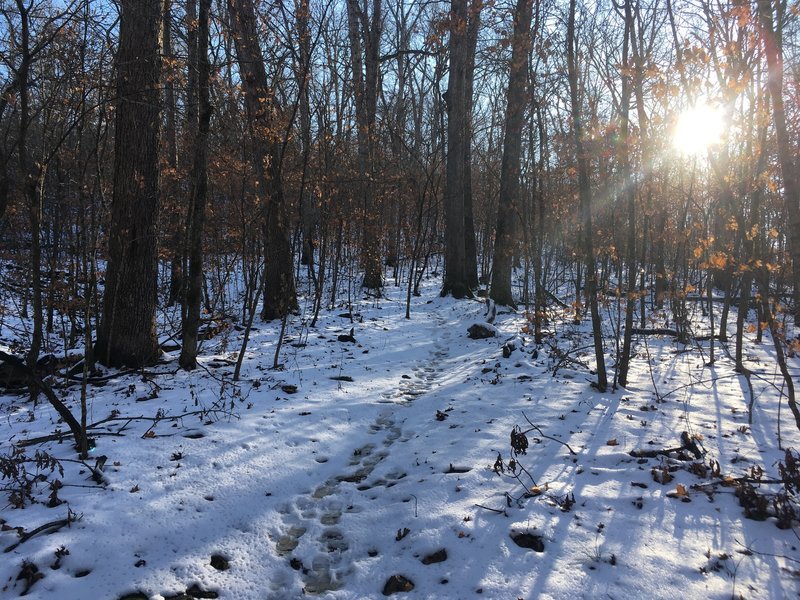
x=698 y=129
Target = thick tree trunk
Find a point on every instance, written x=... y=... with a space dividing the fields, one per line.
x=455 y=272
x=31 y=176
x=366 y=71
x=280 y=296
x=127 y=332
x=508 y=208
x=771 y=35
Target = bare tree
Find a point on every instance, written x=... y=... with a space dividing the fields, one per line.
x=263 y=112
x=365 y=31
x=771 y=15
x=508 y=209
x=455 y=268
x=585 y=196
x=199 y=192
x=629 y=192
x=127 y=331
x=470 y=249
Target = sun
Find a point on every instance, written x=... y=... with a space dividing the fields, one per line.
x=698 y=129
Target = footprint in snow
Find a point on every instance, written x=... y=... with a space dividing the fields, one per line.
x=425 y=377
x=313 y=518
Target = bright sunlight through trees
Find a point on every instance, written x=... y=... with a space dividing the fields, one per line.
x=697 y=129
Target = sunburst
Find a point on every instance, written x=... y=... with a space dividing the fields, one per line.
x=697 y=129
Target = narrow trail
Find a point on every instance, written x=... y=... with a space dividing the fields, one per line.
x=425 y=373
x=311 y=522
x=313 y=518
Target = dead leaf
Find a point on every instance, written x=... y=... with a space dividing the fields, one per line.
x=612 y=442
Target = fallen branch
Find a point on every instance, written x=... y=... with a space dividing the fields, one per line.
x=50 y=527
x=57 y=437
x=656 y=331
x=556 y=299
x=759 y=553
x=731 y=481
x=688 y=443
x=494 y=510
x=32 y=379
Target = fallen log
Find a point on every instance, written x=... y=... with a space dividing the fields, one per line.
x=688 y=444
x=655 y=331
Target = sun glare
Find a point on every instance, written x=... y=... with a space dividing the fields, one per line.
x=697 y=129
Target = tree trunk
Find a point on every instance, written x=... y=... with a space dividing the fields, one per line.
x=31 y=176
x=508 y=207
x=540 y=304
x=455 y=269
x=127 y=332
x=280 y=296
x=171 y=144
x=585 y=196
x=366 y=71
x=771 y=36
x=630 y=203
x=470 y=250
x=309 y=216
x=199 y=190
x=747 y=231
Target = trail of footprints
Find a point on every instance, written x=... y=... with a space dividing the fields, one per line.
x=314 y=518
x=424 y=377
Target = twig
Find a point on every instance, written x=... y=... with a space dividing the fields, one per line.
x=58 y=437
x=536 y=427
x=494 y=510
x=523 y=469
x=659 y=397
x=656 y=331
x=731 y=480
x=699 y=382
x=783 y=556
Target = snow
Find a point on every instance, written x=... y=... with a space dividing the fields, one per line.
x=385 y=455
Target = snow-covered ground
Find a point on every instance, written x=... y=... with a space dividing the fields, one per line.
x=362 y=461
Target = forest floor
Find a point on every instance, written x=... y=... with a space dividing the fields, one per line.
x=374 y=465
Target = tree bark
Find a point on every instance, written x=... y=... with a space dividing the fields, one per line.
x=280 y=295
x=455 y=274
x=199 y=192
x=508 y=206
x=364 y=32
x=630 y=201
x=470 y=249
x=127 y=332
x=585 y=196
x=771 y=18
